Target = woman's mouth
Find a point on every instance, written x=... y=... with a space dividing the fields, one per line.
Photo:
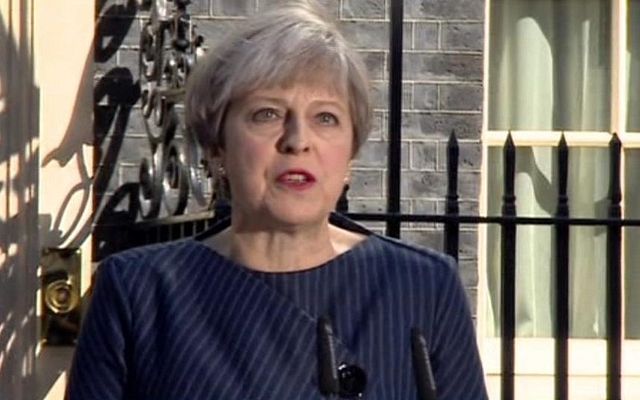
x=296 y=179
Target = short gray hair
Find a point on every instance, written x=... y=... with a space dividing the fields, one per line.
x=288 y=44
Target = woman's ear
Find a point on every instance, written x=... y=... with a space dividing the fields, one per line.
x=215 y=152
x=214 y=159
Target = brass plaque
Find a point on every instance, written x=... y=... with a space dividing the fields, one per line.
x=60 y=293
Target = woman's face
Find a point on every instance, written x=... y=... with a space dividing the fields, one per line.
x=287 y=153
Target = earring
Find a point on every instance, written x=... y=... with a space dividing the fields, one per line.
x=222 y=172
x=347 y=176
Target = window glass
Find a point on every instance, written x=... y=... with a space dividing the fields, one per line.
x=631 y=201
x=536 y=189
x=633 y=66
x=549 y=65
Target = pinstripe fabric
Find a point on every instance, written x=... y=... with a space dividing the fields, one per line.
x=179 y=321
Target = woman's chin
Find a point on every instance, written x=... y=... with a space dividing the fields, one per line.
x=293 y=217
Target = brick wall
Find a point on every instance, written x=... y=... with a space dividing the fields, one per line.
x=442 y=91
x=444 y=69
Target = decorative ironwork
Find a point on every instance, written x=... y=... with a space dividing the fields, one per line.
x=169 y=49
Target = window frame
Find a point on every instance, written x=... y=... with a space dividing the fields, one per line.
x=535 y=356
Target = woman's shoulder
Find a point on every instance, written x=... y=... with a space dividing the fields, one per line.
x=398 y=252
x=153 y=251
x=411 y=249
x=411 y=258
x=156 y=259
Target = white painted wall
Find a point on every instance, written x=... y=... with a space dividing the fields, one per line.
x=46 y=163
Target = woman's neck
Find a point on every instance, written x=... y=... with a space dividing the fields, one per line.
x=283 y=250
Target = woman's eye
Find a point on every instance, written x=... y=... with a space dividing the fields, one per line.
x=264 y=115
x=326 y=118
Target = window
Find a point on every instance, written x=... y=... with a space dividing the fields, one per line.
x=558 y=67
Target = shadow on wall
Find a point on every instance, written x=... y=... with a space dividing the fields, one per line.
x=21 y=228
x=18 y=218
x=114 y=95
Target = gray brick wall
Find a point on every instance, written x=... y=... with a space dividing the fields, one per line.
x=442 y=91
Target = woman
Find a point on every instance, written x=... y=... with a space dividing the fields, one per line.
x=285 y=300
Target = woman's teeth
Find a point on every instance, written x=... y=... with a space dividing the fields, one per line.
x=296 y=178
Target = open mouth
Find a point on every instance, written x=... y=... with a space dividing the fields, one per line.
x=296 y=178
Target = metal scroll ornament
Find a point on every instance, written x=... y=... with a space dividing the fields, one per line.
x=169 y=48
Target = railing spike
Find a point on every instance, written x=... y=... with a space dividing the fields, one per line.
x=452 y=208
x=453 y=137
x=509 y=197
x=563 y=176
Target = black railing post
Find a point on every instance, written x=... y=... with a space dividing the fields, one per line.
x=395 y=117
x=562 y=275
x=614 y=273
x=508 y=280
x=452 y=208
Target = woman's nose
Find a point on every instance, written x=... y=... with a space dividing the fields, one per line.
x=295 y=138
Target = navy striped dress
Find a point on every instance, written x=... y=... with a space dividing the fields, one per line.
x=180 y=321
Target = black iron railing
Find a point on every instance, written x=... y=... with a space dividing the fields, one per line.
x=171 y=228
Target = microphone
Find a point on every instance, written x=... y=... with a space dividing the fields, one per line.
x=327 y=367
x=422 y=366
x=346 y=381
